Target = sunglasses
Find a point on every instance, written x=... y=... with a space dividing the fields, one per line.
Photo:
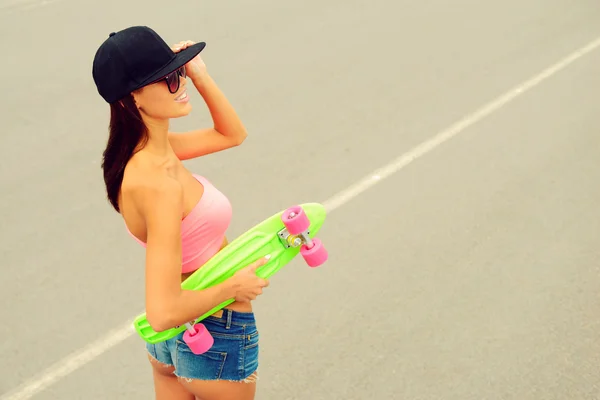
x=173 y=79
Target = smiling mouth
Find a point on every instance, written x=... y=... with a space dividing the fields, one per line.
x=182 y=96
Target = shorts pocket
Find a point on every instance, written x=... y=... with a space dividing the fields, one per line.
x=208 y=365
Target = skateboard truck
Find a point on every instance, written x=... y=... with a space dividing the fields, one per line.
x=296 y=234
x=289 y=240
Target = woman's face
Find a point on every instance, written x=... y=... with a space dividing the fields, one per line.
x=157 y=102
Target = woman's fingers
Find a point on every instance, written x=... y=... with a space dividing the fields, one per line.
x=184 y=44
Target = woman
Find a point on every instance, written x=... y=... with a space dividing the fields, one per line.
x=180 y=218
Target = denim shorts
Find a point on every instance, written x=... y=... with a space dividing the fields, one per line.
x=233 y=356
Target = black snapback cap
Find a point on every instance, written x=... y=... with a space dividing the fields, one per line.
x=133 y=58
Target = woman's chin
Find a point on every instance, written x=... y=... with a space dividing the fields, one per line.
x=183 y=110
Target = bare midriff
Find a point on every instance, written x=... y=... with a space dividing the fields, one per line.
x=235 y=306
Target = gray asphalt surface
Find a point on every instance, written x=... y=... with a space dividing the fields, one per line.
x=471 y=274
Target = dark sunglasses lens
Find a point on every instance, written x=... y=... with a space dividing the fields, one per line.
x=182 y=71
x=173 y=82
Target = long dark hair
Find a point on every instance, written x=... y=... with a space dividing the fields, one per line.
x=127 y=132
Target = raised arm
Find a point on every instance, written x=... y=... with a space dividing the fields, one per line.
x=227 y=131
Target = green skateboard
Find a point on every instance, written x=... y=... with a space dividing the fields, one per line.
x=282 y=235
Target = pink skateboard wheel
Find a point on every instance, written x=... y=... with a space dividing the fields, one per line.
x=201 y=342
x=316 y=255
x=295 y=220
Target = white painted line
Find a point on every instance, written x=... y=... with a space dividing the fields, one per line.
x=458 y=127
x=87 y=354
x=70 y=363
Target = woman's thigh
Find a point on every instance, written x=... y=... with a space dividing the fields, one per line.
x=166 y=384
x=220 y=390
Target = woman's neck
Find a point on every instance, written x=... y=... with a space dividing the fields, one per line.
x=158 y=137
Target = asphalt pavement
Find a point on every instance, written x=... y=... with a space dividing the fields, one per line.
x=470 y=273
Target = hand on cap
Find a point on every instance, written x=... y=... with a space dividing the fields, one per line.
x=195 y=67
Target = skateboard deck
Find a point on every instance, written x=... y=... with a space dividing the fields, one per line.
x=268 y=237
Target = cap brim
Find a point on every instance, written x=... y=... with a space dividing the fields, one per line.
x=181 y=58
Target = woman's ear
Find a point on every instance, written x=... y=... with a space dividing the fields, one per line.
x=135 y=96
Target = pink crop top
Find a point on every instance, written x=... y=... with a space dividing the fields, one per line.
x=203 y=229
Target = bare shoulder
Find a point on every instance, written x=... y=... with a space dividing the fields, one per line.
x=151 y=190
